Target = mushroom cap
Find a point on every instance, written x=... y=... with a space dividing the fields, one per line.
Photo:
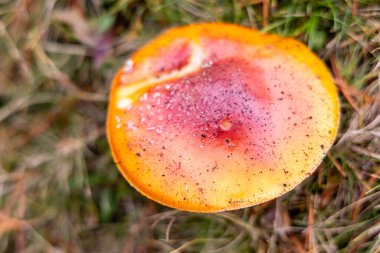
x=212 y=117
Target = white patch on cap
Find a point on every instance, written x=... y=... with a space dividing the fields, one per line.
x=124 y=103
x=128 y=66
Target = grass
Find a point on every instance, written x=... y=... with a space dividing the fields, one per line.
x=59 y=188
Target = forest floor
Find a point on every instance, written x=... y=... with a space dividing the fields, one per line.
x=60 y=190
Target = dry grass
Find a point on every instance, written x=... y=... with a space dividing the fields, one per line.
x=60 y=190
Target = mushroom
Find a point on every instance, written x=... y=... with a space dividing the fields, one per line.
x=212 y=117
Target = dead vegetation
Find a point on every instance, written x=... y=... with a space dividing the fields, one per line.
x=59 y=188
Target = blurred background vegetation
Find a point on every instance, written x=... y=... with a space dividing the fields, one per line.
x=59 y=188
